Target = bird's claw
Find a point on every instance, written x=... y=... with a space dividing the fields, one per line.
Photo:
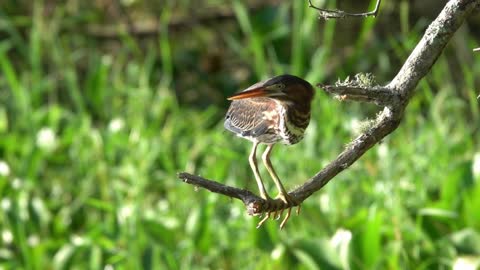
x=287 y=216
x=277 y=217
x=263 y=220
x=275 y=210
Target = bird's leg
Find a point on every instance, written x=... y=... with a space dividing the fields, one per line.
x=283 y=195
x=253 y=163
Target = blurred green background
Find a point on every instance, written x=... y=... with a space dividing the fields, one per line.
x=102 y=102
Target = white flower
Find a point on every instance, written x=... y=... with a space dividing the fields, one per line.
x=382 y=150
x=108 y=267
x=107 y=60
x=4 y=168
x=340 y=238
x=7 y=236
x=33 y=240
x=163 y=205
x=341 y=241
x=278 y=252
x=6 y=204
x=116 y=124
x=476 y=165
x=325 y=202
x=466 y=263
x=124 y=213
x=46 y=139
x=170 y=222
x=78 y=240
x=17 y=183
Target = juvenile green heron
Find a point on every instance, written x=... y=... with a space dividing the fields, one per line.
x=271 y=111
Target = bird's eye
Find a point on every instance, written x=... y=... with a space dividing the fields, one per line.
x=280 y=86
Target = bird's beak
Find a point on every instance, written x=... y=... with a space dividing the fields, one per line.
x=262 y=91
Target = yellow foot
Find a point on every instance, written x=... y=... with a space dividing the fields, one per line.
x=265 y=218
x=276 y=214
x=290 y=201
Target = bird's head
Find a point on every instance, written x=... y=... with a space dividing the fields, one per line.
x=284 y=88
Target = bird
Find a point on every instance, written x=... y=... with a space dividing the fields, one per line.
x=276 y=110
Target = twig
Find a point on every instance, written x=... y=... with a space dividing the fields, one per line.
x=476 y=50
x=394 y=97
x=379 y=95
x=361 y=88
x=340 y=14
x=253 y=202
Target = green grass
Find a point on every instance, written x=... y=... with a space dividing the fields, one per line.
x=102 y=191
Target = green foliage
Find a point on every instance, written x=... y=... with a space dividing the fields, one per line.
x=91 y=141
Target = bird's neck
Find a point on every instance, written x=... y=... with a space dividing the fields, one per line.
x=296 y=113
x=301 y=108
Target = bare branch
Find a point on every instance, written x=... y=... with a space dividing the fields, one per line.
x=394 y=97
x=379 y=95
x=339 y=14
x=476 y=50
x=255 y=205
x=214 y=186
x=361 y=88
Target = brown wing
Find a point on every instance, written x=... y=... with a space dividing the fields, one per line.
x=247 y=117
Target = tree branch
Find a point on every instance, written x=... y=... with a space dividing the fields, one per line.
x=339 y=14
x=394 y=97
x=361 y=88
